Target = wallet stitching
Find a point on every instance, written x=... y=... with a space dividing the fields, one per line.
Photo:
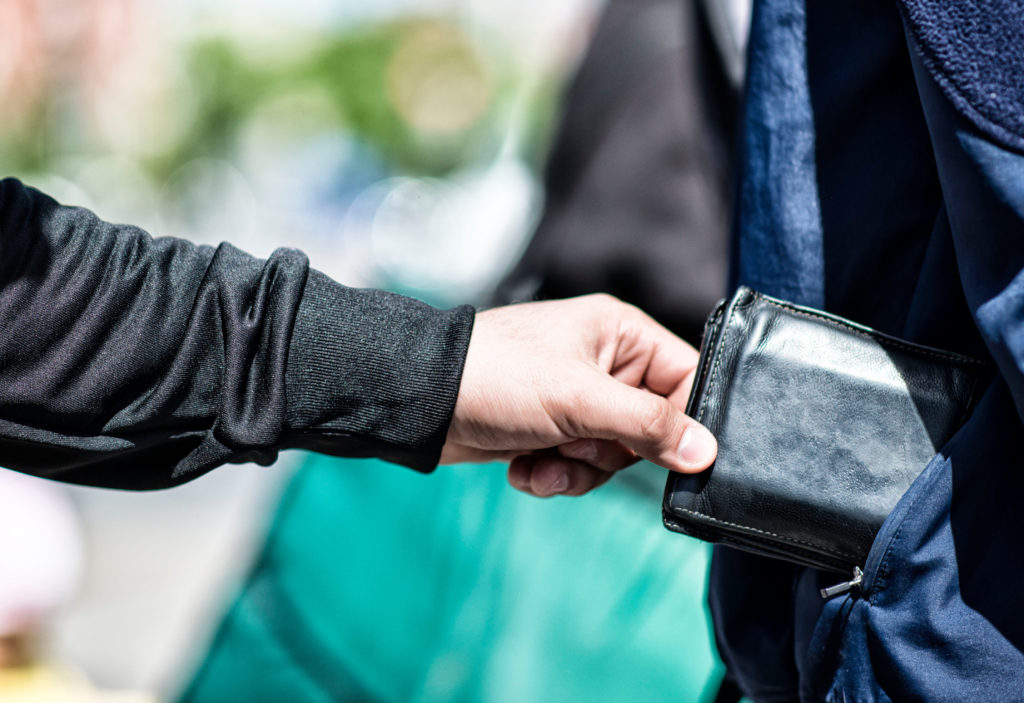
x=794 y=540
x=876 y=336
x=715 y=325
x=719 y=352
x=768 y=547
x=700 y=418
x=713 y=354
x=811 y=555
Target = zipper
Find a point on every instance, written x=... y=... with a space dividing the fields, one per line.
x=845 y=587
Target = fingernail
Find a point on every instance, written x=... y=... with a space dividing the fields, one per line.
x=560 y=483
x=697 y=448
x=584 y=451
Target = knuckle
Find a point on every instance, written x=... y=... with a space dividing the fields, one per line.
x=657 y=420
x=605 y=298
x=604 y=301
x=586 y=450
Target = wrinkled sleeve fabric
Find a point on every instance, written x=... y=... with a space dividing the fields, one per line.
x=137 y=362
x=969 y=65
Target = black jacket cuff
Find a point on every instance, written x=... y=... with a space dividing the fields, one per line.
x=372 y=373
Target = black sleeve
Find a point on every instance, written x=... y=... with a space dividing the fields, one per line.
x=134 y=362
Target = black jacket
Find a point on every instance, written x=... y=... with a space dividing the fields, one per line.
x=636 y=184
x=134 y=362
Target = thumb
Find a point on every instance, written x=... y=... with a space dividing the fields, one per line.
x=648 y=424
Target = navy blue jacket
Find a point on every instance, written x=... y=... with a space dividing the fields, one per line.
x=881 y=176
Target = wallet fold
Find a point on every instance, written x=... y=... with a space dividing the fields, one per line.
x=822 y=425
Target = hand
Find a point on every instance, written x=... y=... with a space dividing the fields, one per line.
x=571 y=391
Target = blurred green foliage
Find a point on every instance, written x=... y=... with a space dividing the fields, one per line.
x=26 y=146
x=349 y=67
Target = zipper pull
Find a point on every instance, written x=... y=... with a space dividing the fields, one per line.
x=841 y=588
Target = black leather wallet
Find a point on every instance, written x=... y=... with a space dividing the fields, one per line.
x=822 y=425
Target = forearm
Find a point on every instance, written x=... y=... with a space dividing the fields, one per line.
x=137 y=362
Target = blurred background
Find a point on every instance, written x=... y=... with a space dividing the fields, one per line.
x=331 y=126
x=404 y=144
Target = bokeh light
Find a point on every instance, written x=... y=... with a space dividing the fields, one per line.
x=437 y=81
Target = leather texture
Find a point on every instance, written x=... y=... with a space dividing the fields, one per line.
x=822 y=425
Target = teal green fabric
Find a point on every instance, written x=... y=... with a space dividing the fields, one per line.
x=379 y=584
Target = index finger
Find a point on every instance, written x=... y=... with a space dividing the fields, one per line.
x=671 y=362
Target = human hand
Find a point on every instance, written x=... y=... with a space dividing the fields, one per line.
x=571 y=391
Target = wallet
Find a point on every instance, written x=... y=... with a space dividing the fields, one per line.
x=822 y=425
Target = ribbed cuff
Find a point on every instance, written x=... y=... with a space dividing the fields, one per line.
x=372 y=373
